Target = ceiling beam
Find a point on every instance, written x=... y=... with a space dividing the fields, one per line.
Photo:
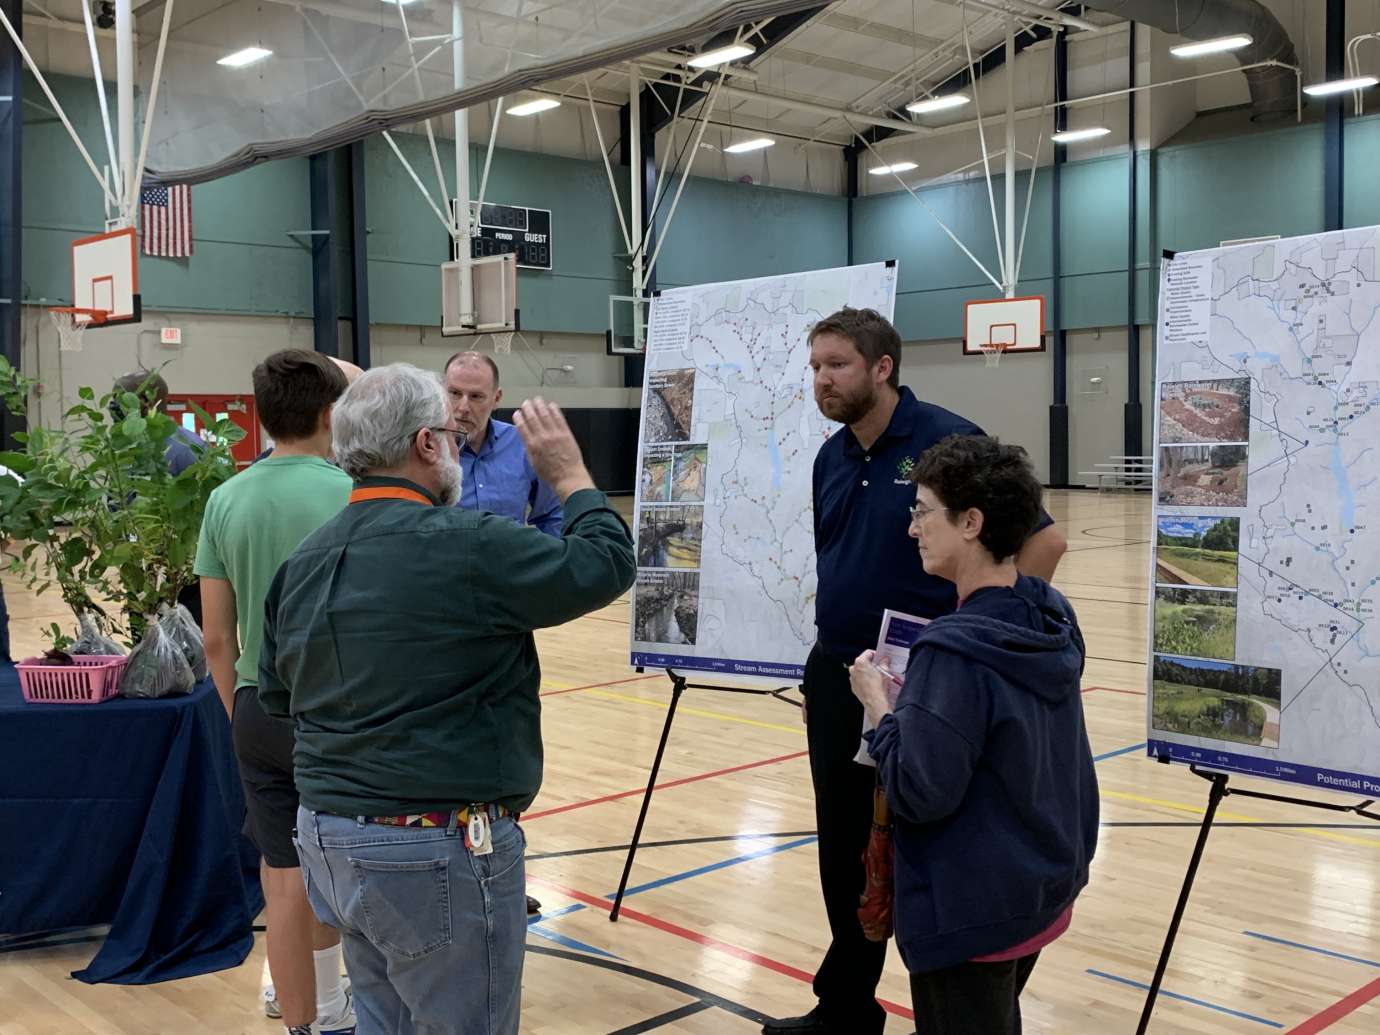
x=830 y=64
x=985 y=64
x=878 y=31
x=777 y=31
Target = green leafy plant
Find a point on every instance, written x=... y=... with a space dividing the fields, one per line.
x=98 y=514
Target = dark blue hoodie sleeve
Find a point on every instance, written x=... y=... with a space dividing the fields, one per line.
x=927 y=748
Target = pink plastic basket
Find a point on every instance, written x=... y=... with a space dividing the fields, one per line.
x=89 y=680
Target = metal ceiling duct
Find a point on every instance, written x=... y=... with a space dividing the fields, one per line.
x=1274 y=90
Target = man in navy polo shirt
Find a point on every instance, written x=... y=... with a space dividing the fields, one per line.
x=866 y=563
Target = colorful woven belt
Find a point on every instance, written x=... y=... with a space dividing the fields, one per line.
x=436 y=819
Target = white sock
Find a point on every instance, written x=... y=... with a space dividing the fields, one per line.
x=266 y=981
x=330 y=994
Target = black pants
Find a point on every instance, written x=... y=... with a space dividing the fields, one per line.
x=190 y=598
x=846 y=983
x=971 y=998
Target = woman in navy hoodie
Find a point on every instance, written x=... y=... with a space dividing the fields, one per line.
x=984 y=756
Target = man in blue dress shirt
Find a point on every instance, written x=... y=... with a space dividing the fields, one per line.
x=498 y=477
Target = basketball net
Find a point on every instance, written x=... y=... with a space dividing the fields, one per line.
x=991 y=354
x=503 y=343
x=71 y=324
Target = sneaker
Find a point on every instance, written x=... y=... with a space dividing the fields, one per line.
x=271 y=1007
x=342 y=1025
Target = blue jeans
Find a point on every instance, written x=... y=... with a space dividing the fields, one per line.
x=433 y=936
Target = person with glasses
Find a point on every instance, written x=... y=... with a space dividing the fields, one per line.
x=398 y=638
x=984 y=756
x=499 y=476
x=865 y=564
x=252 y=522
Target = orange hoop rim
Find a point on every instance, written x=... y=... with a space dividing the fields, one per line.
x=97 y=316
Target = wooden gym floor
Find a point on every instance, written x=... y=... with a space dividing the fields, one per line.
x=724 y=923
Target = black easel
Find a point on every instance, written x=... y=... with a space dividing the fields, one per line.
x=1216 y=793
x=678 y=686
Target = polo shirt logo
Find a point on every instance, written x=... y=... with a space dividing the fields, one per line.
x=905 y=467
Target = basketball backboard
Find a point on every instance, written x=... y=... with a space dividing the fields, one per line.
x=1014 y=324
x=105 y=276
x=627 y=332
x=493 y=282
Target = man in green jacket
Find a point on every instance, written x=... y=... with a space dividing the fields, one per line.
x=399 y=639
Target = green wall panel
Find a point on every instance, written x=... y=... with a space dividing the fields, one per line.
x=1361 y=161
x=733 y=231
x=1267 y=183
x=407 y=243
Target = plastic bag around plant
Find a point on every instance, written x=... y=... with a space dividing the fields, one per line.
x=92 y=640
x=156 y=667
x=178 y=623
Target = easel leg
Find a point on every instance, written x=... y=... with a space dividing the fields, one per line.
x=677 y=688
x=1215 y=796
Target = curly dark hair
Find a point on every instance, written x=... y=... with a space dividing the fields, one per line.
x=871 y=333
x=979 y=473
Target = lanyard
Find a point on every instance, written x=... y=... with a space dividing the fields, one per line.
x=388 y=492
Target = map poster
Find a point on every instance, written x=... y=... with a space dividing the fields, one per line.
x=723 y=519
x=1264 y=642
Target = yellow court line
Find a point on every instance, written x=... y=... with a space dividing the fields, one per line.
x=1198 y=810
x=609 y=695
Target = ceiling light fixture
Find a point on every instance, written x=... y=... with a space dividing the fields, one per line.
x=247 y=56
x=1072 y=136
x=929 y=104
x=532 y=107
x=755 y=144
x=721 y=55
x=1361 y=82
x=895 y=167
x=1216 y=46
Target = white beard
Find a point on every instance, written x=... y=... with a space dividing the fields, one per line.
x=451 y=477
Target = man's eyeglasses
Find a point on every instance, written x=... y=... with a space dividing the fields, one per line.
x=459 y=434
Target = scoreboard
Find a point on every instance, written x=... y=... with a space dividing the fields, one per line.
x=513 y=228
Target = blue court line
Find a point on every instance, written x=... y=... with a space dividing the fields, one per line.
x=1187 y=999
x=534 y=923
x=551 y=914
x=1310 y=948
x=734 y=861
x=570 y=943
x=1119 y=751
x=710 y=868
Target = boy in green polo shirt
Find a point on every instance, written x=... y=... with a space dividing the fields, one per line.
x=252 y=523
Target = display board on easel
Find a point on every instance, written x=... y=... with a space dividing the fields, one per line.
x=730 y=429
x=1265 y=651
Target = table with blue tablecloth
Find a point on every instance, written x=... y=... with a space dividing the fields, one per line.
x=126 y=813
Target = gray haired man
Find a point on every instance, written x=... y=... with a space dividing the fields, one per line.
x=399 y=638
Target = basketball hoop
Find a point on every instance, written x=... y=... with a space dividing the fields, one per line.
x=71 y=323
x=503 y=343
x=991 y=354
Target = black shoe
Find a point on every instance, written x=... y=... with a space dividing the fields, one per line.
x=812 y=1023
x=533 y=906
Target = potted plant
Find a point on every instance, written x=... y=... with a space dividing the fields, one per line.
x=98 y=514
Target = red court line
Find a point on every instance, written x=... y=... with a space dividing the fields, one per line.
x=736 y=951
x=1338 y=1010
x=600 y=686
x=529 y=816
x=1114 y=690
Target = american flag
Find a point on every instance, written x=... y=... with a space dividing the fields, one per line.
x=166 y=216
